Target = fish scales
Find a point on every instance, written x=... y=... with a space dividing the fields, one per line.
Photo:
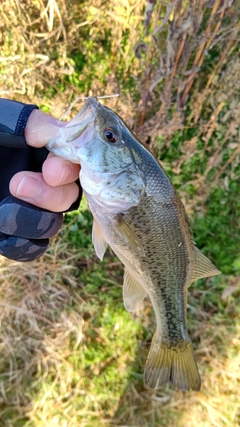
x=138 y=213
x=163 y=269
x=164 y=234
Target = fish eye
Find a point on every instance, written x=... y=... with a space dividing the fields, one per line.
x=110 y=135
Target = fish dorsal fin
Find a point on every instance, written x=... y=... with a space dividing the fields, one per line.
x=99 y=242
x=133 y=292
x=128 y=235
x=203 y=266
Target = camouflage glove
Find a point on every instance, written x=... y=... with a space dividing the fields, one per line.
x=25 y=229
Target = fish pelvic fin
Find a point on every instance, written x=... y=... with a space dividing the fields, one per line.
x=100 y=245
x=174 y=365
x=203 y=266
x=133 y=292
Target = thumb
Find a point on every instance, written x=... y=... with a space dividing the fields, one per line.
x=41 y=128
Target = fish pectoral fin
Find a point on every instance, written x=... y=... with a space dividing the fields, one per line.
x=174 y=365
x=128 y=235
x=203 y=266
x=99 y=242
x=133 y=292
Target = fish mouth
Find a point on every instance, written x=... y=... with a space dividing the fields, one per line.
x=79 y=131
x=72 y=131
x=82 y=120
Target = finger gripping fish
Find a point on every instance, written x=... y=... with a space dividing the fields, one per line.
x=138 y=213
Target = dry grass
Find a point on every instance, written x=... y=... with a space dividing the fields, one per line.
x=39 y=38
x=41 y=352
x=190 y=83
x=187 y=72
x=35 y=325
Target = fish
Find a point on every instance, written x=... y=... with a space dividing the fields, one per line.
x=138 y=213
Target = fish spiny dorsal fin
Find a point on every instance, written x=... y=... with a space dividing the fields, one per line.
x=100 y=245
x=174 y=365
x=203 y=266
x=133 y=292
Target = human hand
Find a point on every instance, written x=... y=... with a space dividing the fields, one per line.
x=26 y=220
x=55 y=188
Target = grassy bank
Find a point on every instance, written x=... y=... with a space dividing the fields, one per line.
x=70 y=355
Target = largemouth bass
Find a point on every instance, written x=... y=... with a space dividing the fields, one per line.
x=138 y=213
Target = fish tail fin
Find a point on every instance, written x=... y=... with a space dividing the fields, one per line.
x=175 y=365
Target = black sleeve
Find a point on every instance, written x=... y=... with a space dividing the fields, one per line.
x=13 y=119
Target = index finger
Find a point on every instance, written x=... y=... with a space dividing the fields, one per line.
x=40 y=128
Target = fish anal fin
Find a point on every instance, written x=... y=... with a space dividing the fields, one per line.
x=133 y=292
x=99 y=242
x=174 y=365
x=203 y=266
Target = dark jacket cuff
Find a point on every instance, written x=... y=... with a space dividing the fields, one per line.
x=76 y=204
x=13 y=119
